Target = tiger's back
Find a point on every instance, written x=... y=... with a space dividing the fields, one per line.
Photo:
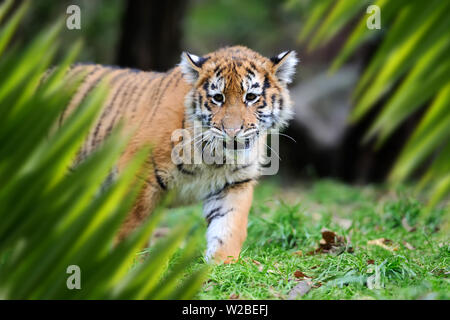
x=137 y=98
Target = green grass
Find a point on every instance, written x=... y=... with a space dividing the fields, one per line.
x=285 y=221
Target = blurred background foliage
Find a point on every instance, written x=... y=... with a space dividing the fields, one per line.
x=53 y=217
x=410 y=69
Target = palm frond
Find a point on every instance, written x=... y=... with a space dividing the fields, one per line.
x=412 y=58
x=52 y=217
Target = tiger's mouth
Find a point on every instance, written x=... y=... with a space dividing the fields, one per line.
x=223 y=146
x=237 y=145
x=219 y=142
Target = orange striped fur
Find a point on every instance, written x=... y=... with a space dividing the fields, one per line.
x=234 y=93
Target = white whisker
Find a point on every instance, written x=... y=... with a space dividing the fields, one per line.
x=284 y=135
x=278 y=156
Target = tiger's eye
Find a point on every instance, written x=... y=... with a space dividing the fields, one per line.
x=218 y=97
x=250 y=96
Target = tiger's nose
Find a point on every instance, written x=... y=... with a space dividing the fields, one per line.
x=232 y=132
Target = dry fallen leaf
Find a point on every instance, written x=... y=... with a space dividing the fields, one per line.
x=408 y=245
x=441 y=272
x=260 y=266
x=328 y=236
x=302 y=288
x=332 y=243
x=298 y=274
x=234 y=296
x=384 y=243
x=298 y=253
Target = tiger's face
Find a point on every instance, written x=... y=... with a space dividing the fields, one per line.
x=238 y=94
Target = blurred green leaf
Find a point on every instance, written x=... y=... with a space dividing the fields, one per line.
x=433 y=130
x=413 y=92
x=317 y=12
x=7 y=31
x=340 y=15
x=414 y=42
x=53 y=217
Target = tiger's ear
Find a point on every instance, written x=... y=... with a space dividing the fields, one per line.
x=191 y=65
x=284 y=65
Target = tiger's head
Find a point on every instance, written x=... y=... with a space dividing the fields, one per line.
x=237 y=94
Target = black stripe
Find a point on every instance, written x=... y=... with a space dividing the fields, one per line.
x=200 y=100
x=96 y=68
x=153 y=98
x=245 y=166
x=144 y=88
x=266 y=85
x=103 y=73
x=262 y=106
x=160 y=180
x=218 y=70
x=218 y=214
x=273 y=100
x=226 y=186
x=261 y=114
x=180 y=76
x=183 y=170
x=170 y=77
x=220 y=240
x=106 y=109
x=213 y=211
x=266 y=82
x=236 y=183
x=123 y=102
x=206 y=85
x=250 y=71
x=265 y=165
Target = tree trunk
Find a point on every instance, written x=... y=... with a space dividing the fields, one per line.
x=151 y=34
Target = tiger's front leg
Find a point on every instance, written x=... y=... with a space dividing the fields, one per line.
x=226 y=214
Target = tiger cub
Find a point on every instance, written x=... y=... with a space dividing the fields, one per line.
x=219 y=105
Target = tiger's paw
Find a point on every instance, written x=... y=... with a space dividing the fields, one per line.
x=223 y=254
